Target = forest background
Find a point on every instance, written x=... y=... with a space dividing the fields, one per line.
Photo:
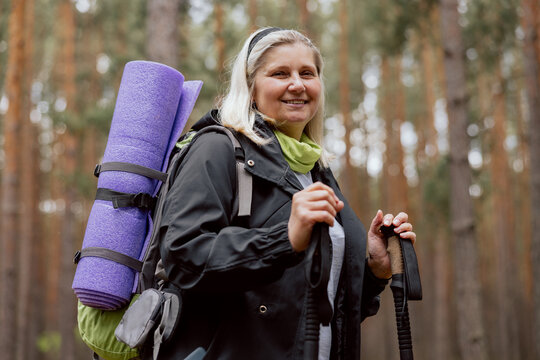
x=433 y=108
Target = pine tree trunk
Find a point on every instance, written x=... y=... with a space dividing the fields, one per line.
x=220 y=39
x=162 y=34
x=532 y=73
x=67 y=319
x=507 y=288
x=350 y=182
x=10 y=183
x=252 y=15
x=28 y=316
x=395 y=182
x=471 y=335
x=524 y=233
x=304 y=17
x=430 y=148
x=441 y=316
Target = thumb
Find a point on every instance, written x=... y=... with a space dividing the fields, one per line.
x=376 y=222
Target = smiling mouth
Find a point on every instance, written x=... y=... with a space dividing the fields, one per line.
x=295 y=101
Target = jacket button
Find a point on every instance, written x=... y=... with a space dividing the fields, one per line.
x=263 y=309
x=251 y=162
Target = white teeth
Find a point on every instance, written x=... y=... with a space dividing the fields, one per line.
x=295 y=101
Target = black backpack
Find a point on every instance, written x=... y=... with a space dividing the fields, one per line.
x=152 y=315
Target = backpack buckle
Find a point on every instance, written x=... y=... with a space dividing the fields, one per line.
x=144 y=200
x=77 y=257
x=97 y=170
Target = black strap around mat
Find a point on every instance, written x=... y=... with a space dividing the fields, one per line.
x=121 y=199
x=109 y=255
x=131 y=168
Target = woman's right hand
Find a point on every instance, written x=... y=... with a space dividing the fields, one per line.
x=316 y=203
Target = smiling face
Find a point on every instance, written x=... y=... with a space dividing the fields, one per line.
x=288 y=87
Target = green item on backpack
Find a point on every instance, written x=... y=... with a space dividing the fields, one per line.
x=97 y=331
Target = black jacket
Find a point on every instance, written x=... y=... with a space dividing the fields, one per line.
x=242 y=285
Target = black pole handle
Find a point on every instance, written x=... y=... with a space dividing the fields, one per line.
x=318 y=309
x=402 y=318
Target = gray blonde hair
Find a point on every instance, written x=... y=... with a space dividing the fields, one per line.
x=236 y=110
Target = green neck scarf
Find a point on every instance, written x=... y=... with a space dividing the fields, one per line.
x=301 y=155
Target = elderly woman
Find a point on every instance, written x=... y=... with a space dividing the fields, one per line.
x=242 y=279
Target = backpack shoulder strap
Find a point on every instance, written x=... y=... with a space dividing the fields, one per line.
x=244 y=189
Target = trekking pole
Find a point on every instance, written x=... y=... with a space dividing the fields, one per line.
x=318 y=309
x=405 y=286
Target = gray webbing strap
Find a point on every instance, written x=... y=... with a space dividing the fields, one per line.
x=110 y=255
x=131 y=168
x=245 y=185
x=171 y=308
x=245 y=181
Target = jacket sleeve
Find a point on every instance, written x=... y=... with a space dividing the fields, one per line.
x=200 y=248
x=372 y=287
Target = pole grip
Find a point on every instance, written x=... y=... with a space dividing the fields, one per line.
x=396 y=257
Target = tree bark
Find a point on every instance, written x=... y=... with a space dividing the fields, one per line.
x=252 y=8
x=470 y=330
x=220 y=39
x=507 y=289
x=10 y=183
x=162 y=34
x=430 y=149
x=30 y=318
x=350 y=183
x=394 y=191
x=532 y=73
x=304 y=17
x=67 y=319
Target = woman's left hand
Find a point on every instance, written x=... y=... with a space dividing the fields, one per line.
x=378 y=258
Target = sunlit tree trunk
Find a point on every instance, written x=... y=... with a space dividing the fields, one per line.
x=433 y=250
x=524 y=231
x=507 y=289
x=30 y=257
x=305 y=25
x=395 y=189
x=430 y=148
x=220 y=38
x=67 y=320
x=441 y=316
x=532 y=73
x=485 y=220
x=10 y=182
x=471 y=335
x=252 y=8
x=162 y=36
x=350 y=182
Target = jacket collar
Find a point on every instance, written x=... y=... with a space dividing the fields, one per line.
x=267 y=161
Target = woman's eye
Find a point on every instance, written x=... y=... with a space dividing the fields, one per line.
x=308 y=73
x=278 y=73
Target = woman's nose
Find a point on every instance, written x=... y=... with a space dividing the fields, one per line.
x=296 y=84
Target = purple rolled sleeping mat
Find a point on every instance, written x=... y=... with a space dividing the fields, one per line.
x=152 y=108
